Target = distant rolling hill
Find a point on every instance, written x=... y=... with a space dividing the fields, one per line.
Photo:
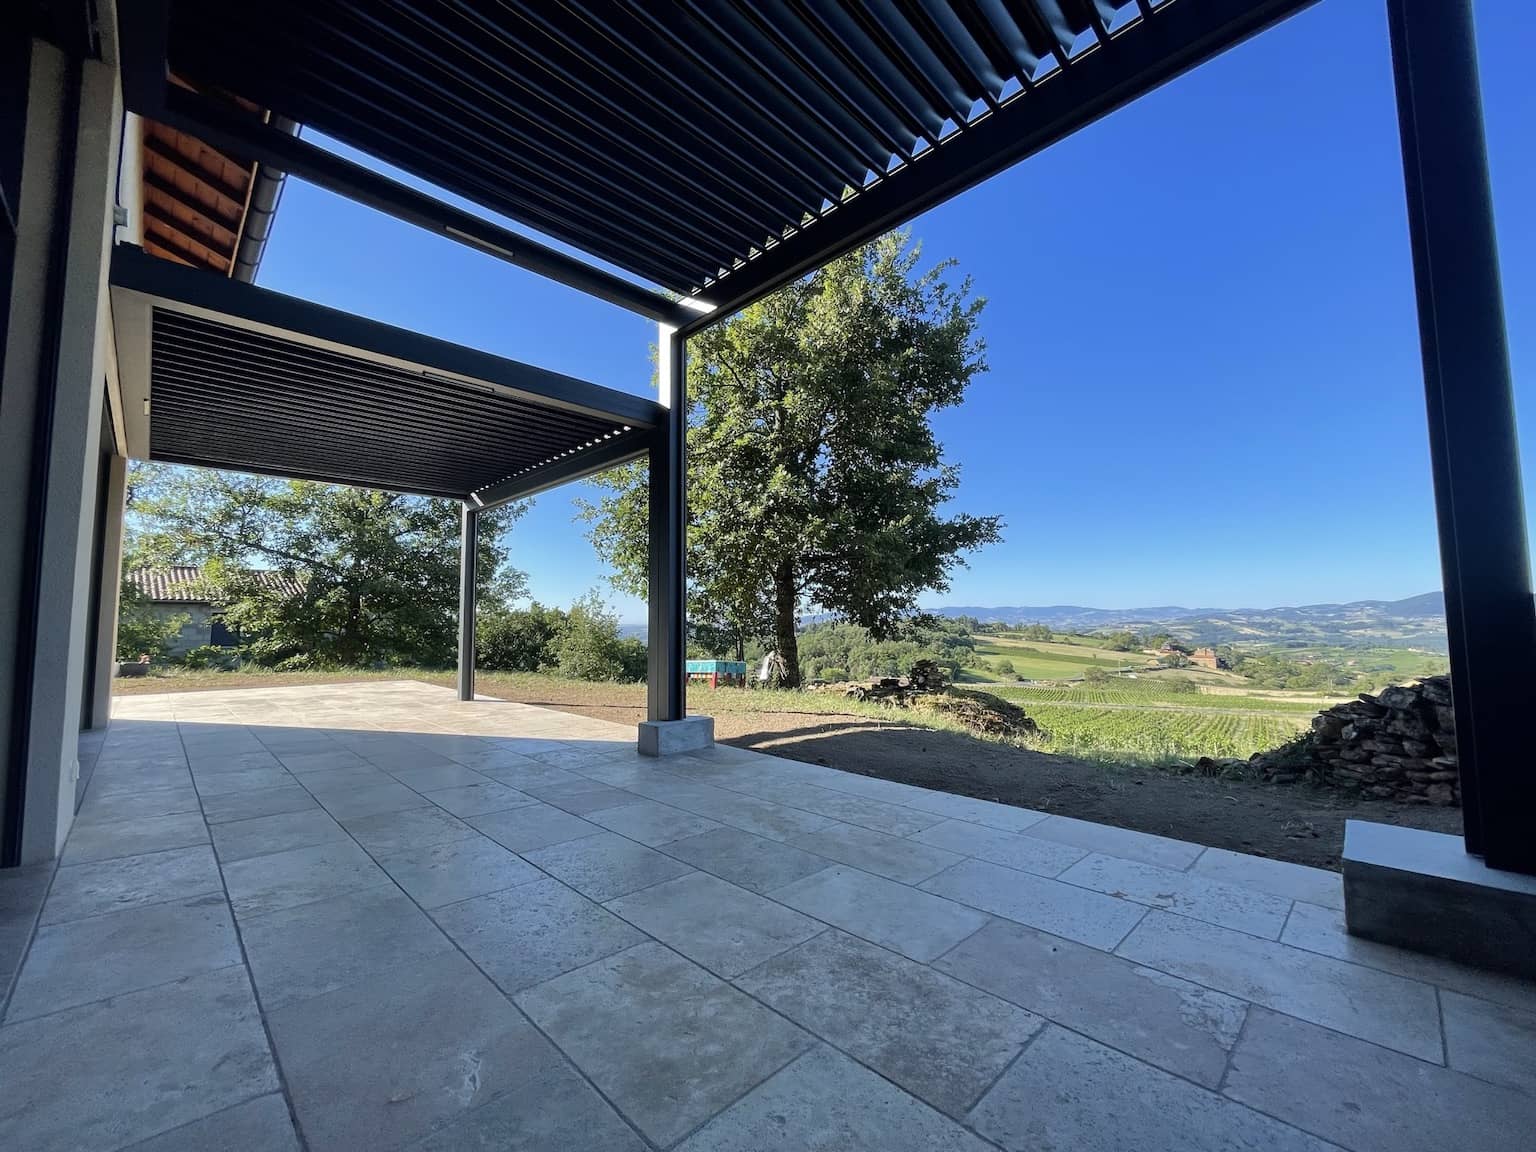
x=1416 y=622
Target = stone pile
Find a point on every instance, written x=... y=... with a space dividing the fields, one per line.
x=1399 y=744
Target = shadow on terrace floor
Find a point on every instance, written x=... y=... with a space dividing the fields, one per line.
x=1302 y=824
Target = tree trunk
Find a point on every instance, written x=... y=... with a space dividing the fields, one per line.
x=352 y=642
x=784 y=603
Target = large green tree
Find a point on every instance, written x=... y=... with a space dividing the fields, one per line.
x=814 y=476
x=379 y=570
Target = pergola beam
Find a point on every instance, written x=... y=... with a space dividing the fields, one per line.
x=588 y=462
x=228 y=301
x=199 y=117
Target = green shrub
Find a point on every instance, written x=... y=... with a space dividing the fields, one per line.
x=142 y=628
x=590 y=648
x=835 y=675
x=210 y=656
x=525 y=640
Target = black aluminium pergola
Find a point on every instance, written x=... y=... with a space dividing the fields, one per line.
x=714 y=150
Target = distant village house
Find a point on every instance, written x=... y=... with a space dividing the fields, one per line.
x=1207 y=658
x=181 y=591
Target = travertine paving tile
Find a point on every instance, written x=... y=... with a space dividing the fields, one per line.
x=1368 y=1099
x=1070 y=1092
x=1490 y=1041
x=195 y=1046
x=1026 y=853
x=1122 y=842
x=606 y=865
x=109 y=885
x=264 y=835
x=438 y=874
x=893 y=857
x=232 y=806
x=531 y=826
x=725 y=928
x=1322 y=930
x=1178 y=1026
x=296 y=953
x=941 y=1040
x=749 y=861
x=259 y=1125
x=1062 y=909
x=134 y=837
x=1277 y=877
x=299 y=876
x=917 y=924
x=667 y=1042
x=825 y=1101
x=534 y=932
x=1197 y=897
x=408 y=828
x=380 y=1063
x=1363 y=1002
x=81 y=961
x=651 y=823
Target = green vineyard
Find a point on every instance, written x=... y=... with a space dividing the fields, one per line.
x=1160 y=733
x=1149 y=694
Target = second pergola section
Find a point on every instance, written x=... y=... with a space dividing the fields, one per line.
x=220 y=374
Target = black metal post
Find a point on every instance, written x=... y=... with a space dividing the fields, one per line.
x=469 y=542
x=667 y=634
x=1473 y=448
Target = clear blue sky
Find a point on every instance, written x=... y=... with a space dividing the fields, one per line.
x=1205 y=385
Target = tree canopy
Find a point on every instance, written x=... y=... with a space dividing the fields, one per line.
x=814 y=476
x=379 y=570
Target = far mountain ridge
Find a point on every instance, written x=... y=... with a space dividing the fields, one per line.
x=1415 y=621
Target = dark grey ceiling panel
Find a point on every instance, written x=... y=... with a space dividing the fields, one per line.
x=228 y=397
x=713 y=147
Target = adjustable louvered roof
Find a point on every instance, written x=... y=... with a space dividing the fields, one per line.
x=226 y=375
x=715 y=148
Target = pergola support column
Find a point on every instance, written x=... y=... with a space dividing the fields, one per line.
x=1473 y=448
x=469 y=542
x=666 y=697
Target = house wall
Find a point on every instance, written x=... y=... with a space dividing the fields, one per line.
x=43 y=682
x=197 y=631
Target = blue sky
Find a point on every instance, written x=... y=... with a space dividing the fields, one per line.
x=1205 y=385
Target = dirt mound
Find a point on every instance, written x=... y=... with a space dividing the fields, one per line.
x=979 y=711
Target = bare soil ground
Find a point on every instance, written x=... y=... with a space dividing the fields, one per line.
x=1298 y=823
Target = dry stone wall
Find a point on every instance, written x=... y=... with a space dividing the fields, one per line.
x=1399 y=744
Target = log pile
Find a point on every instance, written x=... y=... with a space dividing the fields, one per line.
x=1399 y=744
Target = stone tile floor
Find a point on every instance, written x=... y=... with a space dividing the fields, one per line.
x=372 y=917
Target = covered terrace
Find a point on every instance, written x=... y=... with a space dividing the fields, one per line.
x=389 y=916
